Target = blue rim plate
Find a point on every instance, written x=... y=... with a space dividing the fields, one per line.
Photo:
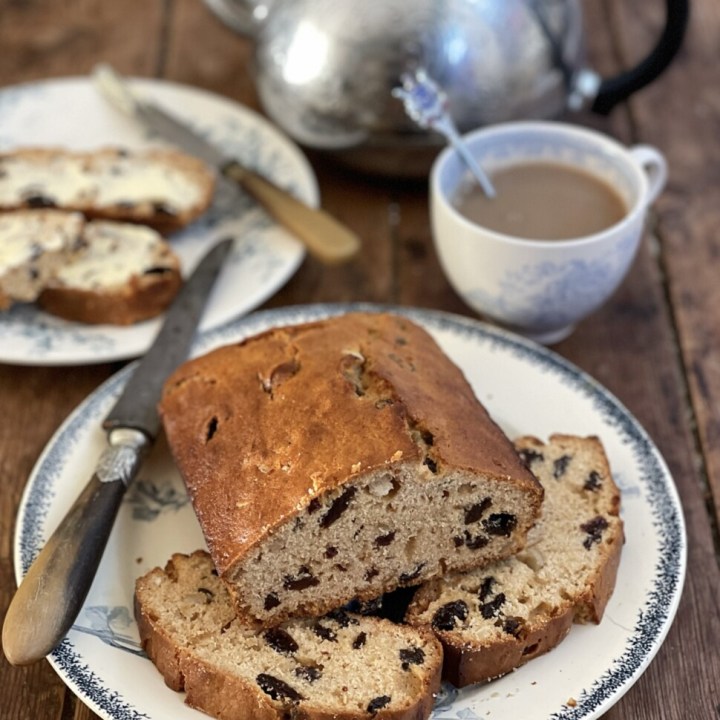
x=527 y=388
x=69 y=113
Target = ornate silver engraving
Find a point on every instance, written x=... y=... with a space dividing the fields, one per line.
x=121 y=460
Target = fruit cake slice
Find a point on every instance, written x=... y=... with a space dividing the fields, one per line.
x=494 y=619
x=33 y=245
x=341 y=459
x=164 y=189
x=122 y=274
x=338 y=666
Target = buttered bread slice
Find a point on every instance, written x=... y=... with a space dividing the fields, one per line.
x=121 y=274
x=164 y=189
x=33 y=246
x=342 y=459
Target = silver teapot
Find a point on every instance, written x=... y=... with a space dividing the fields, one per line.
x=325 y=69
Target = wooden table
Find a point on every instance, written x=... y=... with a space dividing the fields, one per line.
x=655 y=345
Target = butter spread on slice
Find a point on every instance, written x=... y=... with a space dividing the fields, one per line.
x=24 y=236
x=114 y=253
x=84 y=180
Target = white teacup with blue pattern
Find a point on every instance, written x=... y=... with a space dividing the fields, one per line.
x=540 y=288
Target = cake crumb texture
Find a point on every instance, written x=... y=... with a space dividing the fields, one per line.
x=496 y=618
x=341 y=459
x=341 y=665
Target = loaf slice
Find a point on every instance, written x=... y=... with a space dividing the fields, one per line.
x=339 y=666
x=164 y=189
x=341 y=459
x=33 y=245
x=493 y=620
x=122 y=274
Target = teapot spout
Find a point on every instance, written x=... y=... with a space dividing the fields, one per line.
x=243 y=16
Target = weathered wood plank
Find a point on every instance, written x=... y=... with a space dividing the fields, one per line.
x=665 y=279
x=679 y=114
x=181 y=40
x=364 y=206
x=420 y=278
x=43 y=40
x=201 y=51
x=54 y=39
x=34 y=403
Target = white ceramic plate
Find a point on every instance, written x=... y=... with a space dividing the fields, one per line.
x=528 y=389
x=70 y=113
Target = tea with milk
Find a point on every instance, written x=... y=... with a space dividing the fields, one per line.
x=543 y=201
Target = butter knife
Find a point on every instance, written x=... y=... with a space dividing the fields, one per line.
x=52 y=593
x=323 y=236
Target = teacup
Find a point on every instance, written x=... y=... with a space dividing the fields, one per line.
x=542 y=288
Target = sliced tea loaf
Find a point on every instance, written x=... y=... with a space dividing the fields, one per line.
x=494 y=619
x=338 y=666
x=122 y=274
x=341 y=459
x=164 y=189
x=33 y=246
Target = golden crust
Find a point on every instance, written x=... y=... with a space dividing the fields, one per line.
x=159 y=648
x=320 y=434
x=466 y=664
x=270 y=432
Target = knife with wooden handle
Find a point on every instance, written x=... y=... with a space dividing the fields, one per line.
x=322 y=235
x=52 y=593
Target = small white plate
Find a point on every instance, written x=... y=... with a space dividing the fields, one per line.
x=69 y=113
x=528 y=390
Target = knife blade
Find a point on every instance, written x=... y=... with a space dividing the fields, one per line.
x=323 y=236
x=52 y=593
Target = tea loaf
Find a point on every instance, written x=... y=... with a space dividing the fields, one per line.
x=164 y=189
x=121 y=274
x=494 y=619
x=341 y=459
x=338 y=666
x=33 y=245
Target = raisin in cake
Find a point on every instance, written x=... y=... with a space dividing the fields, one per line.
x=33 y=245
x=337 y=666
x=494 y=619
x=122 y=274
x=164 y=189
x=341 y=459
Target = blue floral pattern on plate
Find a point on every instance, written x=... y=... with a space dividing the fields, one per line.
x=527 y=389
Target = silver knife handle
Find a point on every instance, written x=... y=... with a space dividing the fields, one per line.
x=322 y=235
x=52 y=593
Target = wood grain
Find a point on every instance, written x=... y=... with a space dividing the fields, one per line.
x=41 y=40
x=35 y=401
x=654 y=384
x=655 y=345
x=200 y=51
x=689 y=211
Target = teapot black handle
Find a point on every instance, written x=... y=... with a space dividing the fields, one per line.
x=615 y=90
